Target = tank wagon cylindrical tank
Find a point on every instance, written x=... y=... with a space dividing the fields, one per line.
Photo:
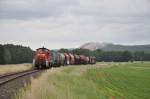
x=54 y=59
x=87 y=60
x=62 y=59
x=58 y=59
x=77 y=59
x=67 y=59
x=82 y=59
x=72 y=60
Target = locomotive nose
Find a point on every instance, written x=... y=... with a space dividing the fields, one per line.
x=41 y=56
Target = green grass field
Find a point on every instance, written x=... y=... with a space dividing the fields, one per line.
x=100 y=81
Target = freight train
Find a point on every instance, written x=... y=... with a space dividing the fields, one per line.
x=45 y=58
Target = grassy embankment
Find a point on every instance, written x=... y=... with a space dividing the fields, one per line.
x=14 y=68
x=116 y=81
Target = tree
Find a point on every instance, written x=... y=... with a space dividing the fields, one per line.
x=1 y=55
x=126 y=56
x=13 y=54
x=62 y=50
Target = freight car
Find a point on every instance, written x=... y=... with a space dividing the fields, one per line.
x=54 y=59
x=77 y=59
x=87 y=60
x=58 y=59
x=62 y=59
x=72 y=60
x=82 y=59
x=67 y=59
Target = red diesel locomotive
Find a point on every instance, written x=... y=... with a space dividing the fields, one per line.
x=42 y=58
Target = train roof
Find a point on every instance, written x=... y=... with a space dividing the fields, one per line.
x=43 y=49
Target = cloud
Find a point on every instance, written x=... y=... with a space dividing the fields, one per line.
x=70 y=23
x=29 y=9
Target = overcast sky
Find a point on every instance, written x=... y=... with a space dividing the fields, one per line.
x=70 y=23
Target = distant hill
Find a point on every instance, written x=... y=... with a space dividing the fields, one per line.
x=115 y=47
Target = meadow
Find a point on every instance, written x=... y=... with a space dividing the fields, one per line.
x=12 y=68
x=99 y=81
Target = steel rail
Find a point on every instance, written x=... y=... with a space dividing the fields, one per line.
x=9 y=77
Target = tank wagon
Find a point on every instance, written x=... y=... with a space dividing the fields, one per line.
x=82 y=59
x=67 y=59
x=62 y=59
x=77 y=59
x=44 y=58
x=72 y=59
x=54 y=59
x=87 y=60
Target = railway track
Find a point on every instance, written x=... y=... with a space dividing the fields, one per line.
x=9 y=77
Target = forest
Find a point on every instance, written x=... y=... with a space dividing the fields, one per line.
x=15 y=54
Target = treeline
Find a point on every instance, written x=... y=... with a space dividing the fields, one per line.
x=14 y=54
x=108 y=56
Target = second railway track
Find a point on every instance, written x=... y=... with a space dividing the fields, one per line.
x=9 y=77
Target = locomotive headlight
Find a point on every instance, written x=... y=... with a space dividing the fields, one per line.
x=41 y=55
x=38 y=54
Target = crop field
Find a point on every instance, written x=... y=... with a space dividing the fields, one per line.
x=14 y=68
x=100 y=81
